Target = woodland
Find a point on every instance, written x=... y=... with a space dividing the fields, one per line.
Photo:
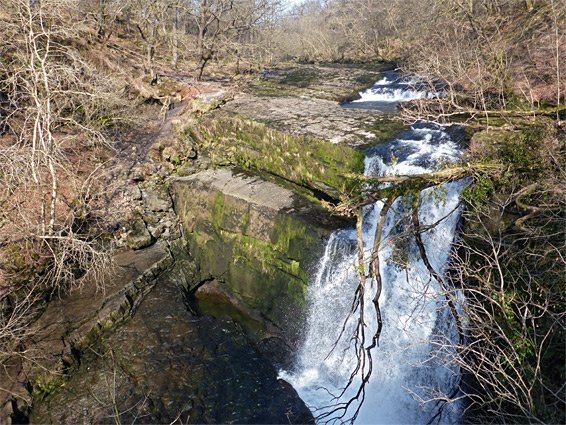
x=80 y=81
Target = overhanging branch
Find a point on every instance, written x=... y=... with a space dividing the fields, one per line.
x=405 y=184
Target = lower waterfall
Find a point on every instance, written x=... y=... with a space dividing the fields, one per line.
x=406 y=372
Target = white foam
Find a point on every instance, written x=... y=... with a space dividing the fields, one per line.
x=409 y=302
x=387 y=95
x=387 y=90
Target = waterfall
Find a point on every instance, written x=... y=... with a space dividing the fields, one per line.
x=394 y=89
x=413 y=307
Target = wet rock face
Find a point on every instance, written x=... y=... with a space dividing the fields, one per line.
x=166 y=364
x=71 y=322
x=253 y=237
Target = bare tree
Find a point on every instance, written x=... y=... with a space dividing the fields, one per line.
x=219 y=23
x=54 y=108
x=514 y=307
x=104 y=14
x=151 y=18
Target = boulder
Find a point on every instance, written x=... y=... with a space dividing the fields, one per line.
x=258 y=239
x=138 y=236
x=156 y=197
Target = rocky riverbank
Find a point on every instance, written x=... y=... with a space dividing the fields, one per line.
x=208 y=296
x=305 y=101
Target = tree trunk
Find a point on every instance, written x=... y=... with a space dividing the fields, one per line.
x=204 y=55
x=150 y=68
x=200 y=67
x=175 y=41
x=237 y=70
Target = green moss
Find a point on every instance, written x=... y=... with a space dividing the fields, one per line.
x=21 y=262
x=300 y=77
x=523 y=150
x=199 y=105
x=301 y=160
x=266 y=269
x=479 y=193
x=46 y=383
x=257 y=273
x=218 y=210
x=385 y=129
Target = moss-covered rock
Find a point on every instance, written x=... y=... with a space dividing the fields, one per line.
x=304 y=100
x=336 y=82
x=306 y=161
x=318 y=118
x=138 y=236
x=258 y=239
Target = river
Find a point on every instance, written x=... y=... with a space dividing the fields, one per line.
x=170 y=364
x=407 y=375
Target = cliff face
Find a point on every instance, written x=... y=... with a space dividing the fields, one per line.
x=258 y=239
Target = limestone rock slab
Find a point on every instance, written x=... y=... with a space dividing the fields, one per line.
x=258 y=239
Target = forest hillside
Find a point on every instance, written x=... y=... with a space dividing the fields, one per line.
x=87 y=85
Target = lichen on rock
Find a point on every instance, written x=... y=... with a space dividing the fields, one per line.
x=254 y=237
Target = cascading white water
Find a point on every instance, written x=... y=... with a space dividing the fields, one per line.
x=395 y=90
x=412 y=305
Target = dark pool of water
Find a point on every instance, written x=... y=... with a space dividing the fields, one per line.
x=167 y=364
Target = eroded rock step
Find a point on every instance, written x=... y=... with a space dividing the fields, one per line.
x=258 y=239
x=73 y=322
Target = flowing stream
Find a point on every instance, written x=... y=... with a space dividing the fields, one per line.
x=415 y=319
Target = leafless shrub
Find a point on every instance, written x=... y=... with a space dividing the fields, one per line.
x=512 y=307
x=55 y=108
x=508 y=282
